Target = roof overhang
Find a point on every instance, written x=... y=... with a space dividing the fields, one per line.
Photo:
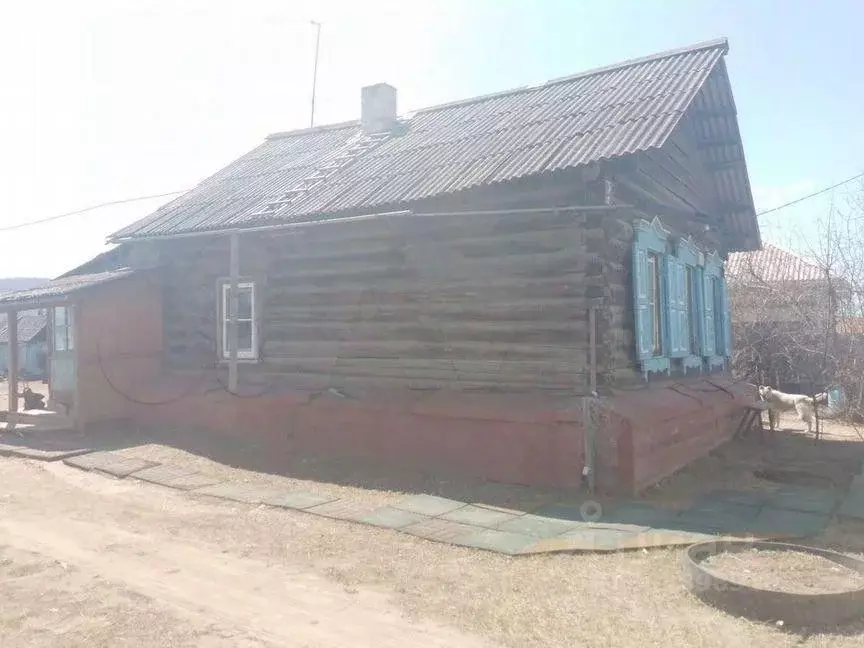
x=59 y=292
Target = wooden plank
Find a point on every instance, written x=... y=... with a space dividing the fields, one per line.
x=427 y=262
x=491 y=288
x=232 y=311
x=429 y=329
x=12 y=381
x=276 y=351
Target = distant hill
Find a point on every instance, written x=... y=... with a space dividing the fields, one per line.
x=21 y=283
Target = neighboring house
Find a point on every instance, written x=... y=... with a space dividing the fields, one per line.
x=774 y=285
x=441 y=290
x=785 y=310
x=32 y=344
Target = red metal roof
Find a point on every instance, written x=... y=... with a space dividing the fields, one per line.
x=771 y=264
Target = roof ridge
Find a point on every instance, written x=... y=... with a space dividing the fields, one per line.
x=709 y=44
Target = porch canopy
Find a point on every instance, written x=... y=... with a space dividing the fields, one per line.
x=57 y=292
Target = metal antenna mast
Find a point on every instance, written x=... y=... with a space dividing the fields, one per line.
x=315 y=71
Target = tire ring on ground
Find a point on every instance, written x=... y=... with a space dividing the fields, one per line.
x=811 y=611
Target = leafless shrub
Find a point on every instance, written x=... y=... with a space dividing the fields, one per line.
x=804 y=332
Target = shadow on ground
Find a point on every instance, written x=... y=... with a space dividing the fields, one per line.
x=786 y=486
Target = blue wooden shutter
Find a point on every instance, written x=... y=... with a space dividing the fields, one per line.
x=644 y=322
x=726 y=350
x=675 y=307
x=683 y=309
x=708 y=330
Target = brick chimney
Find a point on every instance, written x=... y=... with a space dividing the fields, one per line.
x=378 y=108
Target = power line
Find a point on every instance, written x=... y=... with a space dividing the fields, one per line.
x=810 y=195
x=8 y=228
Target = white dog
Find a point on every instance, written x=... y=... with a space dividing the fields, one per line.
x=781 y=402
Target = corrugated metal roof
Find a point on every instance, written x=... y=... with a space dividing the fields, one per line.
x=59 y=288
x=771 y=264
x=29 y=326
x=565 y=123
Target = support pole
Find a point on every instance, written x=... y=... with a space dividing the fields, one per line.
x=233 y=305
x=12 y=383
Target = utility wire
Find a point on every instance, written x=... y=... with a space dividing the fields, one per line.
x=810 y=195
x=9 y=228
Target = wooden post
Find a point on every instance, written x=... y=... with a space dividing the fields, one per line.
x=12 y=382
x=592 y=348
x=233 y=301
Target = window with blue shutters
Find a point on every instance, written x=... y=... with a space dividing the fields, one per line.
x=651 y=294
x=680 y=303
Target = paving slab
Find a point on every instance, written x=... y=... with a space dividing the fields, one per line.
x=299 y=500
x=89 y=461
x=808 y=500
x=599 y=539
x=388 y=517
x=124 y=466
x=162 y=474
x=537 y=526
x=712 y=516
x=857 y=484
x=245 y=493
x=41 y=454
x=638 y=513
x=440 y=530
x=748 y=498
x=784 y=523
x=497 y=541
x=852 y=506
x=193 y=481
x=572 y=512
x=663 y=538
x=429 y=505
x=251 y=494
x=342 y=509
x=479 y=516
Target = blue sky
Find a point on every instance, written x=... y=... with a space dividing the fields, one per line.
x=107 y=100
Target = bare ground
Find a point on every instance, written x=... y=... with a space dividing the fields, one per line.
x=786 y=571
x=90 y=561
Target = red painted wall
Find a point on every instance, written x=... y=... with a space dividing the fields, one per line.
x=119 y=346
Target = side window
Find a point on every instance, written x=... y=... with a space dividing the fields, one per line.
x=64 y=339
x=247 y=321
x=690 y=261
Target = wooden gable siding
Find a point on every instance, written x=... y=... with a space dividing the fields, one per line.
x=483 y=301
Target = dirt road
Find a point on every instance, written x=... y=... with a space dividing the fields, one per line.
x=87 y=561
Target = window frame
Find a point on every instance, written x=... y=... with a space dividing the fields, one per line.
x=693 y=262
x=248 y=355
x=68 y=328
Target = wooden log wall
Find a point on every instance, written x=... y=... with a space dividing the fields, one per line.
x=488 y=302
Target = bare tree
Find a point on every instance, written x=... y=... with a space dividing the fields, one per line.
x=805 y=332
